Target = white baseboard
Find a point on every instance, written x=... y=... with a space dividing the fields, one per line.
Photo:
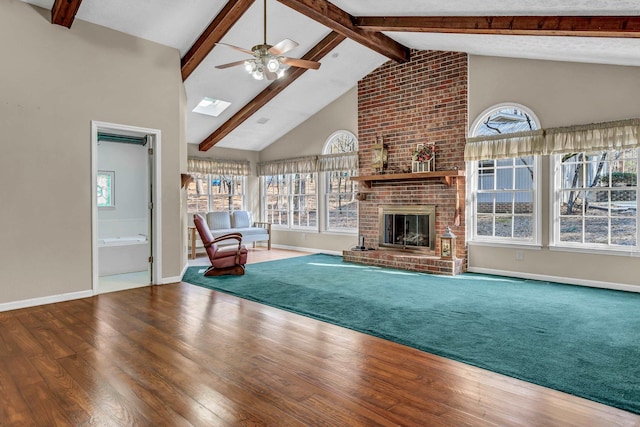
x=312 y=250
x=557 y=279
x=45 y=300
x=174 y=279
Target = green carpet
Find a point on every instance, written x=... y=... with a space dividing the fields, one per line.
x=579 y=340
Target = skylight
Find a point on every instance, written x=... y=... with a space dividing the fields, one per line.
x=211 y=107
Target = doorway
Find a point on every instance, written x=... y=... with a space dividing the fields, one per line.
x=125 y=177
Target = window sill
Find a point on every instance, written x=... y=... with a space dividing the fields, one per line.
x=514 y=245
x=595 y=251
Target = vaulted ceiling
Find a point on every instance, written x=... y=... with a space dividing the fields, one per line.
x=350 y=38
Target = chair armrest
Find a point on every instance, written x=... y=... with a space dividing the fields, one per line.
x=236 y=236
x=266 y=225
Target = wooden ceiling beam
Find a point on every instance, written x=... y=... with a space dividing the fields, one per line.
x=341 y=22
x=582 y=26
x=63 y=12
x=316 y=53
x=220 y=25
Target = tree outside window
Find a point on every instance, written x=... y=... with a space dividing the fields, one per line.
x=597 y=198
x=341 y=205
x=209 y=192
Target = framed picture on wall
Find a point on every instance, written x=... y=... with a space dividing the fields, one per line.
x=106 y=189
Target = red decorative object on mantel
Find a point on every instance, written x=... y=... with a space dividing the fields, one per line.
x=424 y=158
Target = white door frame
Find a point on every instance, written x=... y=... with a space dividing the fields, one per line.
x=156 y=182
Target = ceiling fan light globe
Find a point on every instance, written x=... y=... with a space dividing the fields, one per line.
x=273 y=65
x=258 y=74
x=249 y=66
x=280 y=72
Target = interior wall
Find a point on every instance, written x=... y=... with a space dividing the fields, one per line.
x=128 y=216
x=54 y=82
x=306 y=140
x=560 y=94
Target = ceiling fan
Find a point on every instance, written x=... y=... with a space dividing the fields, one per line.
x=267 y=60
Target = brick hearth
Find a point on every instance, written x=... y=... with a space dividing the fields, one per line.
x=423 y=100
x=405 y=261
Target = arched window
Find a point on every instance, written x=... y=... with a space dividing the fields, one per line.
x=341 y=205
x=504 y=190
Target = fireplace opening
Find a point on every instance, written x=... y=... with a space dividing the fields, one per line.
x=407 y=227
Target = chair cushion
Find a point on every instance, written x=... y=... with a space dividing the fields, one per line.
x=218 y=220
x=227 y=258
x=241 y=219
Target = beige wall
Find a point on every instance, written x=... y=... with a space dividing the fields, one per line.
x=308 y=139
x=53 y=83
x=560 y=94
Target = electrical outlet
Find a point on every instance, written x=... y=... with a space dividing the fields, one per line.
x=519 y=256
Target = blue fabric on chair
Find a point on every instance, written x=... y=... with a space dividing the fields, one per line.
x=241 y=219
x=218 y=220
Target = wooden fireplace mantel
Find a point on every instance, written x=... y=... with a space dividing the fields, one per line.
x=446 y=177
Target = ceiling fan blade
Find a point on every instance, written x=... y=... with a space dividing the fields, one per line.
x=236 y=48
x=302 y=63
x=230 y=64
x=284 y=46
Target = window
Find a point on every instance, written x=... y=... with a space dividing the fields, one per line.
x=596 y=199
x=341 y=206
x=106 y=189
x=504 y=191
x=291 y=200
x=209 y=192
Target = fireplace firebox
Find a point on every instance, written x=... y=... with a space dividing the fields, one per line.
x=407 y=227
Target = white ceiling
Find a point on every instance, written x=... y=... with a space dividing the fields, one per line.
x=179 y=23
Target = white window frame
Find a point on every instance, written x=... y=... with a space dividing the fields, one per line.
x=473 y=176
x=211 y=196
x=555 y=207
x=289 y=197
x=327 y=149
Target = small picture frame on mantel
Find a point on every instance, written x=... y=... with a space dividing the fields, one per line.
x=424 y=158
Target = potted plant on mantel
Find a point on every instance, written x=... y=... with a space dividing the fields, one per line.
x=423 y=158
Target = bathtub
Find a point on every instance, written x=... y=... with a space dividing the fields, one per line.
x=119 y=255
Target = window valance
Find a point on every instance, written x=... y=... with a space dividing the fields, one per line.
x=621 y=134
x=618 y=135
x=219 y=167
x=517 y=144
x=338 y=162
x=308 y=164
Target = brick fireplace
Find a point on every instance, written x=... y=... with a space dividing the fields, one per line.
x=421 y=101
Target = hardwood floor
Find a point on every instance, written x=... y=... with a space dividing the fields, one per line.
x=178 y=355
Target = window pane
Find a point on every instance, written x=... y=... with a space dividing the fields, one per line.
x=485 y=225
x=596 y=230
x=486 y=181
x=623 y=231
x=504 y=179
x=523 y=227
x=504 y=202
x=570 y=229
x=485 y=203
x=524 y=178
x=504 y=226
